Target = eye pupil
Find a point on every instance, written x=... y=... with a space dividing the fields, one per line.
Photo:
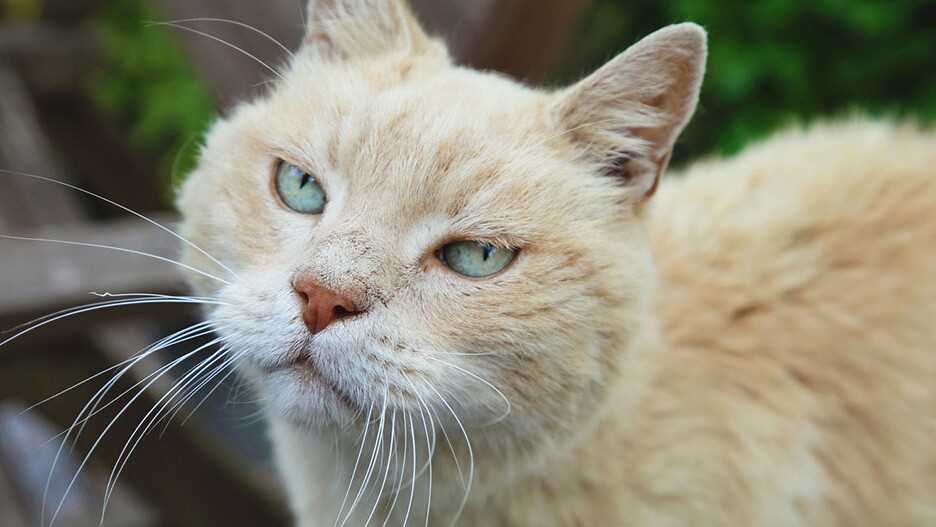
x=299 y=190
x=475 y=259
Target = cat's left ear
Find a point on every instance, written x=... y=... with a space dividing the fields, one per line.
x=628 y=114
x=349 y=29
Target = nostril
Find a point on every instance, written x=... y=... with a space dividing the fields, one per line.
x=303 y=296
x=342 y=312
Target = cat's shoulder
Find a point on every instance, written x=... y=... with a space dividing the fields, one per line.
x=837 y=194
x=797 y=286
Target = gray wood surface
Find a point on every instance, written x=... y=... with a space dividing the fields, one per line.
x=52 y=60
x=41 y=277
x=11 y=514
x=24 y=147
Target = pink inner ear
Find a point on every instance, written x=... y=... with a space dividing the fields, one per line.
x=633 y=108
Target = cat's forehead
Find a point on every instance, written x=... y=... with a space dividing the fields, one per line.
x=439 y=141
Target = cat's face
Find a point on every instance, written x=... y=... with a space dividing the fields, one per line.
x=483 y=236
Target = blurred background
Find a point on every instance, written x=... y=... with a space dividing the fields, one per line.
x=115 y=95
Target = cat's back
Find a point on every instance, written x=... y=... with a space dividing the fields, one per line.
x=798 y=292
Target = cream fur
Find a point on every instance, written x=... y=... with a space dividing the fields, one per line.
x=781 y=374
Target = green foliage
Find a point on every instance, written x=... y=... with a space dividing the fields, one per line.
x=776 y=61
x=148 y=83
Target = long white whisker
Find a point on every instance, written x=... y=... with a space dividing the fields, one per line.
x=386 y=471
x=221 y=41
x=448 y=441
x=184 y=336
x=92 y=404
x=110 y=425
x=125 y=454
x=96 y=307
x=239 y=24
x=399 y=486
x=430 y=446
x=464 y=502
x=409 y=507
x=106 y=295
x=357 y=462
x=373 y=461
x=213 y=375
x=89 y=379
x=125 y=209
x=116 y=249
x=488 y=384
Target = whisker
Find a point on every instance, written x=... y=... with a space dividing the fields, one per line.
x=219 y=40
x=99 y=397
x=386 y=472
x=127 y=451
x=103 y=295
x=104 y=305
x=116 y=249
x=239 y=24
x=92 y=404
x=110 y=425
x=409 y=507
x=357 y=462
x=125 y=209
x=86 y=381
x=373 y=461
x=399 y=486
x=488 y=384
x=220 y=369
x=430 y=446
x=448 y=441
x=170 y=409
x=471 y=469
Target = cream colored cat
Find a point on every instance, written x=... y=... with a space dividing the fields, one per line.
x=445 y=277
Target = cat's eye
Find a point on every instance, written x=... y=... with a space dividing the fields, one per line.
x=299 y=190
x=475 y=259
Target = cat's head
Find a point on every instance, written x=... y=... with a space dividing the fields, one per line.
x=411 y=233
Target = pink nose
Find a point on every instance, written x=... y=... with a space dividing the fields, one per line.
x=322 y=306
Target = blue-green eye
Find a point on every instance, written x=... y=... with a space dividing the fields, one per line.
x=476 y=259
x=299 y=190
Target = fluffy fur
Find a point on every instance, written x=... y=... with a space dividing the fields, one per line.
x=781 y=374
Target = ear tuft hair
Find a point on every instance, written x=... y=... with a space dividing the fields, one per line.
x=630 y=112
x=348 y=29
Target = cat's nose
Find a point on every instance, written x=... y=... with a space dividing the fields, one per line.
x=322 y=306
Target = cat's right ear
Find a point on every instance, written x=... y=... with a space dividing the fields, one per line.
x=349 y=29
x=628 y=114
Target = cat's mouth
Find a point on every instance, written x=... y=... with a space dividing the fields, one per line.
x=308 y=374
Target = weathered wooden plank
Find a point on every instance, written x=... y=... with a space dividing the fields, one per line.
x=50 y=59
x=11 y=514
x=41 y=277
x=100 y=158
x=29 y=456
x=23 y=147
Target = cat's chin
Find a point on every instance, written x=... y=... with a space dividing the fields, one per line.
x=301 y=395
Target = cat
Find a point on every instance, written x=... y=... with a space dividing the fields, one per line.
x=463 y=300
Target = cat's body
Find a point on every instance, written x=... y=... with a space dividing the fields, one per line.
x=796 y=382
x=434 y=264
